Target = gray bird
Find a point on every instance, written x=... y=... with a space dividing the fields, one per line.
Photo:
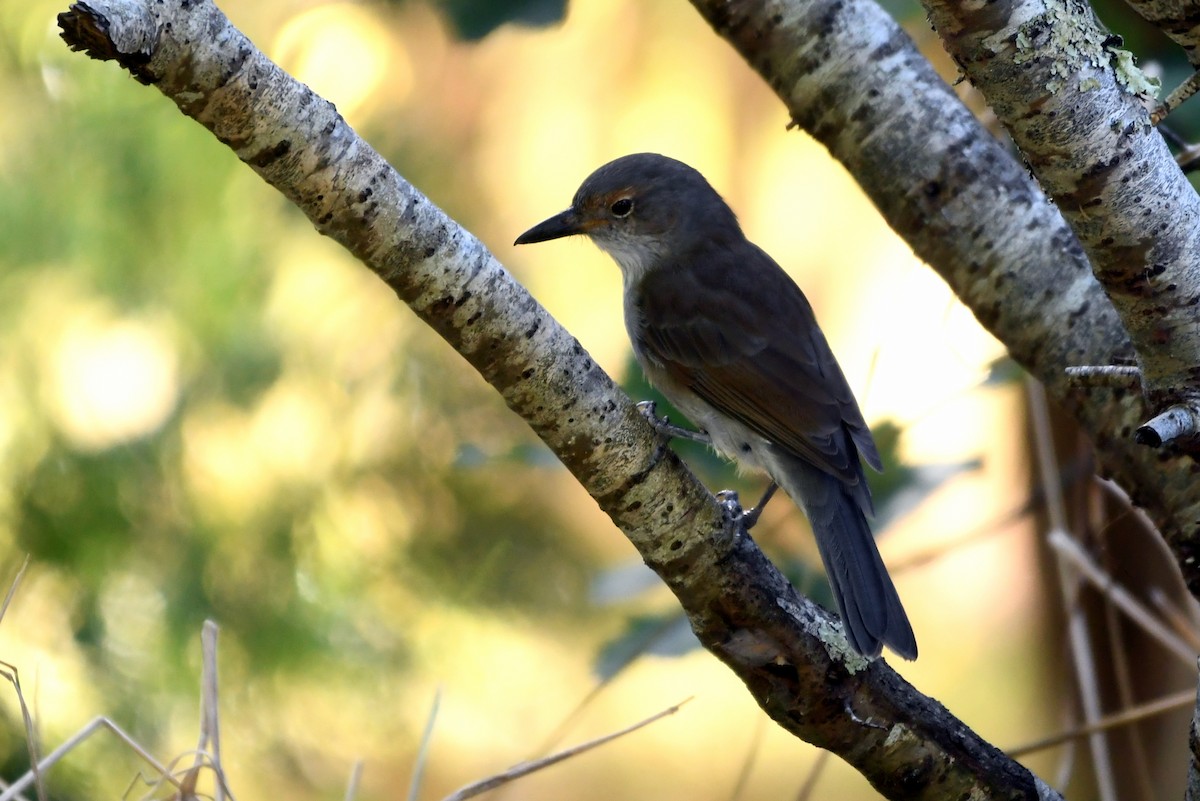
x=727 y=336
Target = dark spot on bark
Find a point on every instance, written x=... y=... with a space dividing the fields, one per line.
x=363 y=195
x=633 y=507
x=676 y=545
x=533 y=329
x=474 y=318
x=269 y=155
x=429 y=251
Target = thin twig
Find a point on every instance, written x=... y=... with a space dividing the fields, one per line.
x=1134 y=609
x=752 y=750
x=525 y=768
x=12 y=587
x=1157 y=541
x=1112 y=376
x=31 y=738
x=11 y=673
x=355 y=778
x=1118 y=647
x=81 y=735
x=1183 y=626
x=1077 y=632
x=414 y=787
x=1125 y=717
x=810 y=782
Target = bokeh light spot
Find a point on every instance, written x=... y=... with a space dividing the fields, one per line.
x=112 y=382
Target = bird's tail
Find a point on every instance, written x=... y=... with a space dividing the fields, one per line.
x=866 y=598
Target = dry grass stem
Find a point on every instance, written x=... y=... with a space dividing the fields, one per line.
x=1082 y=650
x=1171 y=702
x=525 y=768
x=1081 y=561
x=57 y=754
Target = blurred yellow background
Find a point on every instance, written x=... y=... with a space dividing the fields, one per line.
x=206 y=410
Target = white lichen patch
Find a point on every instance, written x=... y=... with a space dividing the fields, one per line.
x=1068 y=36
x=899 y=733
x=1131 y=77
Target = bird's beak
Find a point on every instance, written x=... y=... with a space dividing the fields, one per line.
x=562 y=224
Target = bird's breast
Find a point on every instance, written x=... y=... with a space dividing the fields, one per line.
x=730 y=438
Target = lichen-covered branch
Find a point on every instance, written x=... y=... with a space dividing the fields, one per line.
x=1180 y=20
x=1075 y=106
x=782 y=646
x=851 y=78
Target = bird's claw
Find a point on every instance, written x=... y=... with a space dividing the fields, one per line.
x=731 y=510
x=745 y=519
x=665 y=428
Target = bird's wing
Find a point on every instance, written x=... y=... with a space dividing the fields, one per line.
x=744 y=338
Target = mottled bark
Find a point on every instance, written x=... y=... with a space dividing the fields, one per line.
x=1074 y=106
x=852 y=79
x=1178 y=19
x=787 y=650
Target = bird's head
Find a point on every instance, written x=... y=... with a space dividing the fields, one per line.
x=643 y=210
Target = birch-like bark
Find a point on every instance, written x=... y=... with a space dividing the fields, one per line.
x=782 y=646
x=850 y=77
x=1073 y=104
x=1180 y=20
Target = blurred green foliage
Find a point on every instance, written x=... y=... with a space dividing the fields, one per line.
x=115 y=212
x=474 y=19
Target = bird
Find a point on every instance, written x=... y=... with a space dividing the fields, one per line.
x=726 y=335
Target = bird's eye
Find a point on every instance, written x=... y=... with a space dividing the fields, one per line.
x=622 y=207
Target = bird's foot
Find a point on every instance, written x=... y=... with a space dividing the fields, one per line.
x=742 y=520
x=668 y=430
x=733 y=513
x=750 y=516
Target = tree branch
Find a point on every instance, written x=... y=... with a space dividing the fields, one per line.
x=976 y=216
x=743 y=610
x=1072 y=103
